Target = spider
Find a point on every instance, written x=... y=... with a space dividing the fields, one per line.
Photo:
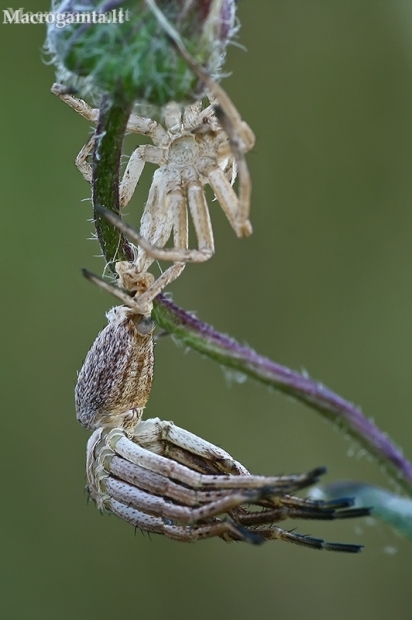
x=196 y=147
x=163 y=479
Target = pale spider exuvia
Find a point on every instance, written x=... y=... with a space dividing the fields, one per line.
x=192 y=150
x=165 y=480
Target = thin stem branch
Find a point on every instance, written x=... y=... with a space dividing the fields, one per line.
x=227 y=351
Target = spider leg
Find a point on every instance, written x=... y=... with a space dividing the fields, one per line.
x=187 y=533
x=174 y=217
x=164 y=437
x=158 y=218
x=81 y=160
x=137 y=160
x=131 y=176
x=152 y=511
x=142 y=303
x=173 y=117
x=156 y=251
x=136 y=124
x=147 y=127
x=162 y=500
x=226 y=196
x=78 y=105
x=191 y=115
x=109 y=464
x=134 y=453
x=145 y=300
x=240 y=135
x=103 y=464
x=277 y=533
x=285 y=511
x=244 y=227
x=156 y=223
x=201 y=222
x=125 y=297
x=162 y=214
x=157 y=506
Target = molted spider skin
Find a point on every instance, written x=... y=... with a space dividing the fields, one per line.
x=114 y=383
x=192 y=150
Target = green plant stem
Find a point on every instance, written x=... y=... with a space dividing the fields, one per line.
x=110 y=131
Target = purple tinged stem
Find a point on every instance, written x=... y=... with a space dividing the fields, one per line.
x=205 y=339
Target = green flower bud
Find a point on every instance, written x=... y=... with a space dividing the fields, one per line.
x=123 y=48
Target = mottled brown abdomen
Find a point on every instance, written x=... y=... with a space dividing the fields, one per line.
x=114 y=383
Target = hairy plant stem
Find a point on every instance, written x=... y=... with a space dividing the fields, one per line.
x=219 y=347
x=110 y=131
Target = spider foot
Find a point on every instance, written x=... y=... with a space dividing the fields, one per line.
x=243 y=229
x=58 y=90
x=240 y=533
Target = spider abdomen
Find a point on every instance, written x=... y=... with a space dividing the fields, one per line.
x=114 y=383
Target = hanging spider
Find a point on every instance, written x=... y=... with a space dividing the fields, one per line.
x=160 y=477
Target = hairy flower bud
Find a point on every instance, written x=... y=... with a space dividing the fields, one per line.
x=124 y=47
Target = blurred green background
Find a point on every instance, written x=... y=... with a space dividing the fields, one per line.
x=324 y=283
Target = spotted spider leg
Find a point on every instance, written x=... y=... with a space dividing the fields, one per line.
x=134 y=453
x=159 y=494
x=224 y=528
x=194 y=521
x=155 y=513
x=164 y=438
